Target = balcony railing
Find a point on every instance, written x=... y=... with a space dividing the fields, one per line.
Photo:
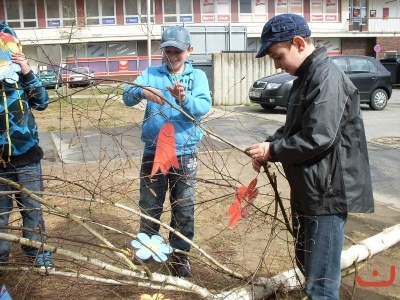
x=376 y=25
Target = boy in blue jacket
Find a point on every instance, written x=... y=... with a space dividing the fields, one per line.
x=20 y=151
x=182 y=85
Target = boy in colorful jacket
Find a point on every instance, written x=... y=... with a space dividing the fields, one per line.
x=20 y=153
x=181 y=85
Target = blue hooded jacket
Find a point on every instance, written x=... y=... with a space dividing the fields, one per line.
x=18 y=130
x=197 y=103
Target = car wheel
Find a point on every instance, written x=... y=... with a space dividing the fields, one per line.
x=268 y=106
x=379 y=100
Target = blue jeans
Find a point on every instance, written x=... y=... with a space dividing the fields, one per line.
x=318 y=249
x=30 y=177
x=180 y=183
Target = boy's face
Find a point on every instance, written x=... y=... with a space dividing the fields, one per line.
x=175 y=58
x=288 y=59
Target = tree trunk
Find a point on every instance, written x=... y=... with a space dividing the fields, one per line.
x=289 y=281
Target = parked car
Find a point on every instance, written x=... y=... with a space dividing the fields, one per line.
x=81 y=76
x=50 y=78
x=369 y=76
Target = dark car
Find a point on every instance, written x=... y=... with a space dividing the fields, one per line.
x=369 y=76
x=272 y=91
x=50 y=78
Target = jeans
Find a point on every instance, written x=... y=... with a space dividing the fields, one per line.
x=318 y=249
x=30 y=177
x=180 y=183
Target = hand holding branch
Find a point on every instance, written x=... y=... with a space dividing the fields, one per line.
x=178 y=91
x=260 y=154
x=153 y=95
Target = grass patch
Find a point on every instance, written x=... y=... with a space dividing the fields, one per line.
x=83 y=110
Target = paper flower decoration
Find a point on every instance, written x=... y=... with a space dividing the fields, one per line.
x=8 y=69
x=154 y=297
x=151 y=247
x=165 y=156
x=244 y=198
x=4 y=295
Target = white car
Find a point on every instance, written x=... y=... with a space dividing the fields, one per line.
x=81 y=76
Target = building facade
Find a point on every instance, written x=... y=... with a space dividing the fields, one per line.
x=121 y=37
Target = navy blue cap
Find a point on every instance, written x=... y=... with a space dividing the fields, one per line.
x=5 y=28
x=282 y=28
x=176 y=36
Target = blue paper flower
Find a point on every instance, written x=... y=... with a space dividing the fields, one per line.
x=4 y=295
x=151 y=247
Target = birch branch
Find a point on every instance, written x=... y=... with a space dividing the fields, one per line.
x=293 y=279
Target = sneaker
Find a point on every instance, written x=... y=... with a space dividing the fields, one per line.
x=181 y=265
x=43 y=260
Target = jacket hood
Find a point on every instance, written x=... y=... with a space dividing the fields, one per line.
x=5 y=28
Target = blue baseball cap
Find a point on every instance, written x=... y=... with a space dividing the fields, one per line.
x=282 y=28
x=176 y=36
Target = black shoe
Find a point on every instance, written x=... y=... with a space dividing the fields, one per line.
x=181 y=265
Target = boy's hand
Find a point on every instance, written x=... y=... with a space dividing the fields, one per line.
x=153 y=95
x=259 y=153
x=177 y=91
x=19 y=58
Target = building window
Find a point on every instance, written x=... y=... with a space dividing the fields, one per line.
x=136 y=11
x=358 y=12
x=253 y=10
x=180 y=11
x=73 y=51
x=20 y=13
x=324 y=11
x=289 y=6
x=96 y=50
x=215 y=11
x=60 y=13
x=100 y=12
x=128 y=48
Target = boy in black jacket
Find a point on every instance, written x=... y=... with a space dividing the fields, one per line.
x=322 y=148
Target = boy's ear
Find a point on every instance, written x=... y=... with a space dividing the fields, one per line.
x=299 y=42
x=190 y=49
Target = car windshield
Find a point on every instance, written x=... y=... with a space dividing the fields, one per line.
x=80 y=70
x=44 y=73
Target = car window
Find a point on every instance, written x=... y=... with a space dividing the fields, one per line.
x=359 y=65
x=372 y=67
x=341 y=62
x=80 y=70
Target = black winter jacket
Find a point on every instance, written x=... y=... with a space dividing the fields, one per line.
x=322 y=145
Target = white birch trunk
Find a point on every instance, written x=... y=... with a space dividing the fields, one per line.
x=288 y=280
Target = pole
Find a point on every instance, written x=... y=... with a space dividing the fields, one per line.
x=148 y=35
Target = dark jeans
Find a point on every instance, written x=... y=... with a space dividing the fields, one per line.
x=318 y=248
x=180 y=183
x=30 y=177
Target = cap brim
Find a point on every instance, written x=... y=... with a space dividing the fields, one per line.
x=174 y=44
x=263 y=49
